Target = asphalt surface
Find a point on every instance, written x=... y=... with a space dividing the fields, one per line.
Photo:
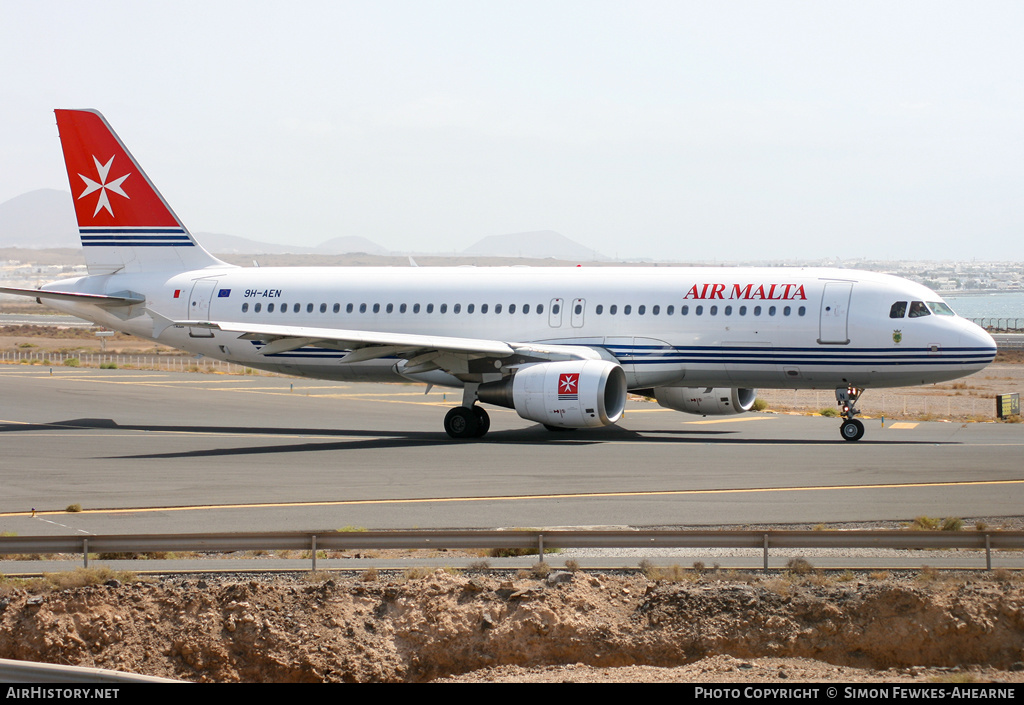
x=157 y=452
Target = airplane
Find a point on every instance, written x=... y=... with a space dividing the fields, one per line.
x=561 y=346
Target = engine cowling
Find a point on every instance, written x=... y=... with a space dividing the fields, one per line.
x=704 y=401
x=570 y=394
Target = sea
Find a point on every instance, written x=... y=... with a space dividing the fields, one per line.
x=987 y=305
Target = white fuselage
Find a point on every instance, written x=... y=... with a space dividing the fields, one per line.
x=667 y=326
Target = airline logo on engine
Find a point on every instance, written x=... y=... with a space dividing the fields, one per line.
x=569 y=386
x=767 y=292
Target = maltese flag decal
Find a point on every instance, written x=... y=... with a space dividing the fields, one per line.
x=569 y=386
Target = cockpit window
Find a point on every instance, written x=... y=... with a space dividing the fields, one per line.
x=918 y=309
x=940 y=308
x=898 y=310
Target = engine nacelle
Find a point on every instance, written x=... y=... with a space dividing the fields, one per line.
x=704 y=401
x=570 y=394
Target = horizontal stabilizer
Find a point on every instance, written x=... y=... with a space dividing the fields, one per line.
x=96 y=299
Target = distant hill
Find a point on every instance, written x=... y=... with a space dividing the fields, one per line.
x=39 y=219
x=538 y=244
x=45 y=218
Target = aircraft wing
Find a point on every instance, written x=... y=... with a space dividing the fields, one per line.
x=422 y=352
x=128 y=299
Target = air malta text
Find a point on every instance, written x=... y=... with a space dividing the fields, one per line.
x=773 y=292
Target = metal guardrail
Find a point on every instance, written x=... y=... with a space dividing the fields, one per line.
x=522 y=539
x=1000 y=324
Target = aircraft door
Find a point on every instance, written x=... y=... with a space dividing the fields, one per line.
x=579 y=307
x=555 y=313
x=199 y=306
x=835 y=312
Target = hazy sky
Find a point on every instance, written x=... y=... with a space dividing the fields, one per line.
x=670 y=130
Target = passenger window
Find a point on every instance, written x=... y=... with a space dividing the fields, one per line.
x=430 y=308
x=257 y=308
x=270 y=308
x=511 y=308
x=540 y=309
x=898 y=310
x=295 y=308
x=684 y=310
x=470 y=308
x=376 y=308
x=309 y=308
x=670 y=310
x=526 y=308
x=918 y=309
x=337 y=308
x=626 y=310
x=415 y=308
x=323 y=308
x=641 y=310
x=497 y=308
x=483 y=308
x=245 y=308
x=713 y=311
x=613 y=309
x=390 y=308
x=699 y=310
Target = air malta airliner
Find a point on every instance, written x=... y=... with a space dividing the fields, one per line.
x=560 y=346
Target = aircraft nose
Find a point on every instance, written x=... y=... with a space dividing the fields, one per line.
x=976 y=338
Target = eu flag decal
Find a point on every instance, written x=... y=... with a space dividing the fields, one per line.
x=223 y=293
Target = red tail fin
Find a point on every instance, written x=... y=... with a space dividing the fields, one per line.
x=124 y=222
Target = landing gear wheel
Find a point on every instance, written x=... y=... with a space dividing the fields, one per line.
x=461 y=422
x=483 y=422
x=852 y=430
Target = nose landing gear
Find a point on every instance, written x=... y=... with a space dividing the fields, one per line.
x=852 y=428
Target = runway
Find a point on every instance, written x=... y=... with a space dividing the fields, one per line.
x=149 y=452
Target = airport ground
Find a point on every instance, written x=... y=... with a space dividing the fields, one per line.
x=156 y=451
x=148 y=451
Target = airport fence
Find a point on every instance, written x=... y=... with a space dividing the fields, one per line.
x=953 y=404
x=1004 y=325
x=528 y=541
x=166 y=363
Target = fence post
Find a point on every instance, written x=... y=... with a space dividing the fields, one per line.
x=766 y=553
x=313 y=542
x=540 y=547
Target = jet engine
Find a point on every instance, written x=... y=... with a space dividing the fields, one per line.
x=570 y=394
x=706 y=401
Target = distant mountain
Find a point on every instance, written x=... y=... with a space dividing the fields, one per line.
x=39 y=219
x=539 y=244
x=45 y=218
x=350 y=243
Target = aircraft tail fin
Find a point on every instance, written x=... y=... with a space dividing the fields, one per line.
x=124 y=222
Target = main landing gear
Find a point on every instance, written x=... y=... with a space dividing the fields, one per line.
x=852 y=428
x=467 y=422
